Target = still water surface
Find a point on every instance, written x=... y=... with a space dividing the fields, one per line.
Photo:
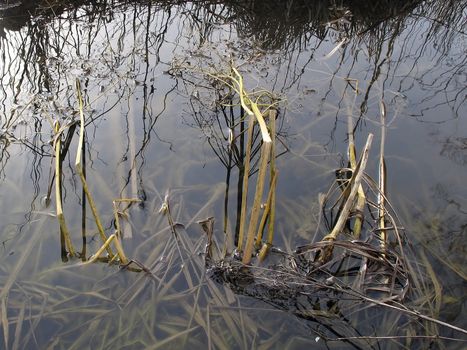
x=152 y=130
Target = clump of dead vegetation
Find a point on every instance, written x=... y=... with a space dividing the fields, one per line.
x=365 y=259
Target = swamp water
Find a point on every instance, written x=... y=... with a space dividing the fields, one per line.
x=157 y=125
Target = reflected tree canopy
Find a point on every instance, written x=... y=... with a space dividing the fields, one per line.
x=293 y=30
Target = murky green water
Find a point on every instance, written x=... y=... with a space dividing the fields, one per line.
x=151 y=131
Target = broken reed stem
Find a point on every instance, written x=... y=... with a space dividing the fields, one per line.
x=81 y=174
x=354 y=184
x=105 y=246
x=83 y=207
x=382 y=182
x=235 y=80
x=118 y=231
x=266 y=212
x=269 y=209
x=265 y=153
x=272 y=186
x=244 y=100
x=119 y=248
x=360 y=205
x=64 y=233
x=255 y=211
x=208 y=227
x=246 y=172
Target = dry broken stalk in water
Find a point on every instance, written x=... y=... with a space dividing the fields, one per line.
x=382 y=182
x=361 y=199
x=63 y=228
x=257 y=112
x=353 y=184
x=81 y=174
x=64 y=232
x=255 y=116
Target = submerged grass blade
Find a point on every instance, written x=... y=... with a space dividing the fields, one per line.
x=437 y=289
x=19 y=326
x=168 y=340
x=5 y=323
x=25 y=255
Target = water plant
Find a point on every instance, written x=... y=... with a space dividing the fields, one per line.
x=362 y=257
x=66 y=240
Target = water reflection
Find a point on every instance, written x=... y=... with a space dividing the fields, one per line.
x=42 y=60
x=146 y=130
x=367 y=32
